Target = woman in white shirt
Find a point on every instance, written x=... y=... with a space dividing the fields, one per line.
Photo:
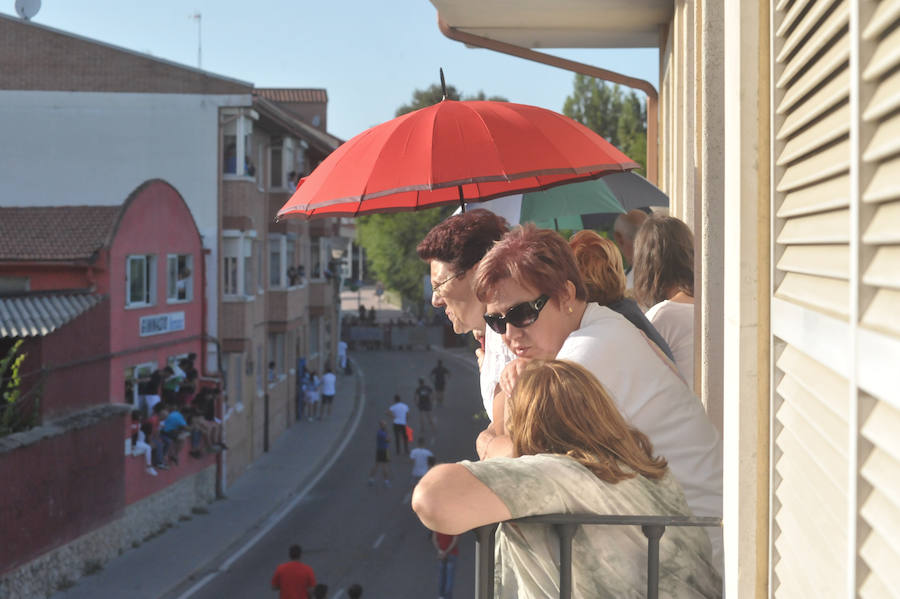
x=664 y=280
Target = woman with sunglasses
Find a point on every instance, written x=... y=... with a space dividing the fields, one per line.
x=572 y=453
x=536 y=300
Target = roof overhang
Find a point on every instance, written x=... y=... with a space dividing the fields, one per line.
x=561 y=23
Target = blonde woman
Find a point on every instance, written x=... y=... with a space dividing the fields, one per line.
x=600 y=264
x=573 y=453
x=664 y=280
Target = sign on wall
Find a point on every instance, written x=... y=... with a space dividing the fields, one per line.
x=161 y=323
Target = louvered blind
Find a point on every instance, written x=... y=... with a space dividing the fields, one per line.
x=879 y=449
x=812 y=203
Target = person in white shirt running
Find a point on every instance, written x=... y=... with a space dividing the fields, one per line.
x=398 y=411
x=419 y=457
x=329 y=385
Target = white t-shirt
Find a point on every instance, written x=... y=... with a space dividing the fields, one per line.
x=656 y=401
x=675 y=322
x=329 y=380
x=420 y=456
x=399 y=410
x=496 y=356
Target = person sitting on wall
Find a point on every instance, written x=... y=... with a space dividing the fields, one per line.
x=139 y=445
x=171 y=429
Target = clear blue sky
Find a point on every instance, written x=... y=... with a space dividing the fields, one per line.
x=369 y=56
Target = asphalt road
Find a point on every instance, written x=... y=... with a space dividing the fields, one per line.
x=352 y=532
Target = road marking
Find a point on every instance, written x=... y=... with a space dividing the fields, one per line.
x=406 y=498
x=378 y=541
x=278 y=516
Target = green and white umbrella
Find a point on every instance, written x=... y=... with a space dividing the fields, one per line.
x=579 y=205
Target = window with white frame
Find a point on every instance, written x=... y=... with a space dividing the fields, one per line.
x=276 y=167
x=315 y=258
x=276 y=261
x=237 y=141
x=249 y=283
x=260 y=266
x=237 y=262
x=292 y=269
x=140 y=284
x=179 y=278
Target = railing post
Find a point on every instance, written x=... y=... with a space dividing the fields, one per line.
x=565 y=532
x=653 y=532
x=484 y=561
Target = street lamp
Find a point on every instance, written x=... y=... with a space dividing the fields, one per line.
x=339 y=250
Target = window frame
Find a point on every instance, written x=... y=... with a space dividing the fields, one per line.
x=189 y=286
x=149 y=281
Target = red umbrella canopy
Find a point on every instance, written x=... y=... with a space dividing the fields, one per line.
x=453 y=152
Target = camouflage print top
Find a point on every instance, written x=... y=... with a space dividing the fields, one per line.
x=607 y=561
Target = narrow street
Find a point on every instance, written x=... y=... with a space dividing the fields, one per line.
x=351 y=532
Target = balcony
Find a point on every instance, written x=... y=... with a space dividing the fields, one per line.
x=321 y=293
x=236 y=317
x=565 y=526
x=287 y=304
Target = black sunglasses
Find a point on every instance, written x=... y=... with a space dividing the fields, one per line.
x=520 y=315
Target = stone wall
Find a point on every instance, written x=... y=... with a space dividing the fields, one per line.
x=138 y=523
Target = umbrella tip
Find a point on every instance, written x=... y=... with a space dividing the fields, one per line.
x=443 y=84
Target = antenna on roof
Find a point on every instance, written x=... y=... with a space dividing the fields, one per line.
x=198 y=16
x=28 y=8
x=443 y=84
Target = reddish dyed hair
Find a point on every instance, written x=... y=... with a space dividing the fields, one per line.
x=463 y=239
x=532 y=257
x=600 y=264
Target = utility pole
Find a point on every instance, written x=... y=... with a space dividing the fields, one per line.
x=197 y=16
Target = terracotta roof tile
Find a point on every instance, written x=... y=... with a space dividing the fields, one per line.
x=293 y=94
x=55 y=232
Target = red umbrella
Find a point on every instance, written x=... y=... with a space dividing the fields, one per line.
x=453 y=152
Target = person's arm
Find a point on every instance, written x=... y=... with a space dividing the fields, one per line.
x=451 y=500
x=276 y=582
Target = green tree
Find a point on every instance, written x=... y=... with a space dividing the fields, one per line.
x=390 y=240
x=433 y=94
x=619 y=117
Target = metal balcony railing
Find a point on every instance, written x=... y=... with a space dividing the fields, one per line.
x=565 y=526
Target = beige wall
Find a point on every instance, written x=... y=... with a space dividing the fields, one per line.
x=713 y=142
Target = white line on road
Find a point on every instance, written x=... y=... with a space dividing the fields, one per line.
x=278 y=516
x=378 y=541
x=406 y=498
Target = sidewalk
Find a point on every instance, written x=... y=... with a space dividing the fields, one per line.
x=180 y=559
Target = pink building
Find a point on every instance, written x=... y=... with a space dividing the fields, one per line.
x=100 y=295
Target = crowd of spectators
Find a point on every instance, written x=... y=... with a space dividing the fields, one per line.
x=173 y=408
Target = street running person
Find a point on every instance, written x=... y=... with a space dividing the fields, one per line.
x=424 y=404
x=439 y=377
x=294 y=579
x=398 y=411
x=381 y=456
